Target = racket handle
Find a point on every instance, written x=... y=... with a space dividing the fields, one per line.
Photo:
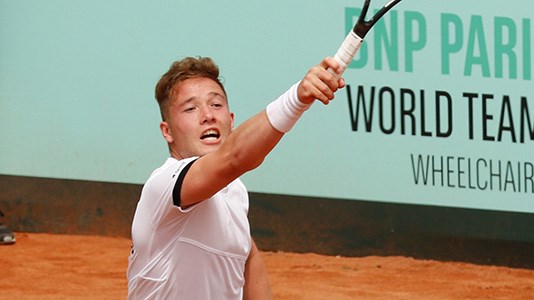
x=347 y=51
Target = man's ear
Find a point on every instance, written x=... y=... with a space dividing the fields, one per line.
x=166 y=132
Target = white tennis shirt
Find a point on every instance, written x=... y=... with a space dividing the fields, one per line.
x=194 y=253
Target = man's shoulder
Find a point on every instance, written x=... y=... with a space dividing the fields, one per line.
x=172 y=167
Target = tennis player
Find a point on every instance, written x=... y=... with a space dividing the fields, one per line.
x=190 y=232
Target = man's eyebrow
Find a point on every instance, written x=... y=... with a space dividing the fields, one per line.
x=193 y=98
x=217 y=94
x=180 y=103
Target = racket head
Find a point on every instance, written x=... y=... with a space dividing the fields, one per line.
x=362 y=27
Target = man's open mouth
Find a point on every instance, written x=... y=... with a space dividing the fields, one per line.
x=210 y=135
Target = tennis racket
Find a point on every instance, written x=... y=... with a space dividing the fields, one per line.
x=354 y=39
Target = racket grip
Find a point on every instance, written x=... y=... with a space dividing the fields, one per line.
x=347 y=51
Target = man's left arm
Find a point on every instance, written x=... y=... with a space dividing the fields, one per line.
x=257 y=285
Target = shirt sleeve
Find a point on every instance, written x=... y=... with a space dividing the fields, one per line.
x=176 y=199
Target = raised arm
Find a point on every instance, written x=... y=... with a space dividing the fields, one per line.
x=246 y=147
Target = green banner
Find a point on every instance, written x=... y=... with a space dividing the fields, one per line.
x=438 y=108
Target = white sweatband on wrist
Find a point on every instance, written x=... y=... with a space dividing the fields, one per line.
x=284 y=112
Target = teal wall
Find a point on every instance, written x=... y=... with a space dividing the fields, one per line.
x=77 y=81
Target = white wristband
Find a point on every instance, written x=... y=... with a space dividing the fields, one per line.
x=284 y=112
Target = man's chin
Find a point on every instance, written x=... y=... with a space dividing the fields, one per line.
x=208 y=149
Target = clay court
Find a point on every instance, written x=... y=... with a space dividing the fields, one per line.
x=48 y=266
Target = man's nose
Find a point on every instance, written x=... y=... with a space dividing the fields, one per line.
x=206 y=114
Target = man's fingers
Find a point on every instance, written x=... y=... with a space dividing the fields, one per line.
x=315 y=89
x=332 y=64
x=320 y=83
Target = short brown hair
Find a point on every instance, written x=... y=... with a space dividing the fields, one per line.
x=189 y=67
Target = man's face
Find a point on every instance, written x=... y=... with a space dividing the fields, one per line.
x=199 y=118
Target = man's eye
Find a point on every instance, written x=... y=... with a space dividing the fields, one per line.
x=189 y=109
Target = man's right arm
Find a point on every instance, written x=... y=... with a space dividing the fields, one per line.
x=247 y=146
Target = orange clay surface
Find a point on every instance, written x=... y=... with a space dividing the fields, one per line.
x=47 y=266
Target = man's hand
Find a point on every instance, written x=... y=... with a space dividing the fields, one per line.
x=320 y=83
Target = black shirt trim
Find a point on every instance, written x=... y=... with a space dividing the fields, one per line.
x=176 y=199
